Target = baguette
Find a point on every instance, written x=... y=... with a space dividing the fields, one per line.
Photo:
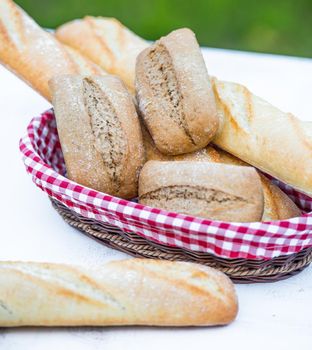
x=128 y=292
x=277 y=205
x=278 y=143
x=106 y=42
x=83 y=66
x=99 y=132
x=34 y=54
x=260 y=134
x=214 y=191
x=173 y=90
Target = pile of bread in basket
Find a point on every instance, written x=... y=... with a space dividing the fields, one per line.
x=146 y=120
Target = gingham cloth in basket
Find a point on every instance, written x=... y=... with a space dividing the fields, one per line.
x=43 y=159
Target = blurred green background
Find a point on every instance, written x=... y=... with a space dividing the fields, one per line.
x=276 y=26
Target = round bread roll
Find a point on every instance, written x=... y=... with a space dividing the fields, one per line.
x=214 y=191
x=174 y=94
x=99 y=132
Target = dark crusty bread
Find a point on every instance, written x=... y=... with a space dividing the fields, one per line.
x=174 y=94
x=99 y=132
x=128 y=292
x=214 y=191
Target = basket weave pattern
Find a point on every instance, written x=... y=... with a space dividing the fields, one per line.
x=245 y=251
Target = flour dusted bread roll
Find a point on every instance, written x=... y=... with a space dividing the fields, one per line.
x=277 y=205
x=174 y=94
x=99 y=132
x=128 y=292
x=106 y=42
x=213 y=191
x=34 y=54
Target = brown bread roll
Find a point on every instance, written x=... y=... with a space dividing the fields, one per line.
x=99 y=132
x=174 y=94
x=277 y=205
x=34 y=54
x=128 y=292
x=213 y=191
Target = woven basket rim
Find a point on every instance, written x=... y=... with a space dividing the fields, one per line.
x=28 y=149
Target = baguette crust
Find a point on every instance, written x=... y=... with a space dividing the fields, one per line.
x=128 y=292
x=34 y=54
x=214 y=191
x=277 y=205
x=83 y=66
x=173 y=89
x=99 y=132
x=260 y=134
x=106 y=42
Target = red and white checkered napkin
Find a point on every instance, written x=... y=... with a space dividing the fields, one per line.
x=43 y=159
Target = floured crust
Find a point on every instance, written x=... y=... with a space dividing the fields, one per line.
x=128 y=292
x=33 y=54
x=214 y=191
x=99 y=132
x=174 y=94
x=84 y=66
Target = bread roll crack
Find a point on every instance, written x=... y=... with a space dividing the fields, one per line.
x=109 y=138
x=209 y=195
x=165 y=87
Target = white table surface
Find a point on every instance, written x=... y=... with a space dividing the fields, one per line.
x=276 y=315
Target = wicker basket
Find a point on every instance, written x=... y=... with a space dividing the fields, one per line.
x=239 y=270
x=246 y=252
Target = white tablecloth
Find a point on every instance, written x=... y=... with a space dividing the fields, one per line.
x=276 y=315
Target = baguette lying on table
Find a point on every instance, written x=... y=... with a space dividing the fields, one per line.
x=34 y=54
x=250 y=128
x=128 y=292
